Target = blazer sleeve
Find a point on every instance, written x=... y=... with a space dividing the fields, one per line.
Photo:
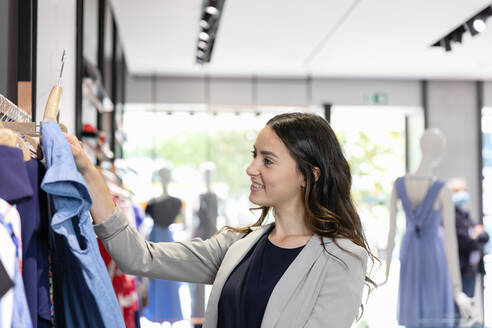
x=340 y=296
x=194 y=261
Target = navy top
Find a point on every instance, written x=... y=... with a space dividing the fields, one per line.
x=248 y=288
x=19 y=186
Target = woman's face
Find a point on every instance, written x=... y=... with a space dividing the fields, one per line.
x=275 y=179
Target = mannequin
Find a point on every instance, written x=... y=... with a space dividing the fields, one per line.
x=207 y=212
x=207 y=227
x=165 y=177
x=417 y=186
x=163 y=296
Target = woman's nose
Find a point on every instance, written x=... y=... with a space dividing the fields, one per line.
x=252 y=170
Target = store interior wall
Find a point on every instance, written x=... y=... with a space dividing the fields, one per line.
x=451 y=106
x=4 y=39
x=271 y=91
x=8 y=49
x=56 y=32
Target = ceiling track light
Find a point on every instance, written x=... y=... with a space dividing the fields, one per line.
x=204 y=36
x=212 y=10
x=208 y=26
x=202 y=44
x=479 y=25
x=474 y=25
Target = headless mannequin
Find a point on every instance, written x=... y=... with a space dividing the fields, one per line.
x=432 y=144
x=207 y=213
x=163 y=296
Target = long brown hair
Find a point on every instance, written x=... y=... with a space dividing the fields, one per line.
x=330 y=211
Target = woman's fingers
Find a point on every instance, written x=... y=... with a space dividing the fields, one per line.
x=81 y=160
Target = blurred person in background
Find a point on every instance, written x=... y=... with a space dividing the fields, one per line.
x=471 y=238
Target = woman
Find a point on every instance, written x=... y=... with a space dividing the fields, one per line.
x=307 y=269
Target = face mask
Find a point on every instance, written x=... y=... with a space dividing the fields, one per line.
x=460 y=198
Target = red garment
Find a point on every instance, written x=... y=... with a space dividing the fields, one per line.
x=124 y=287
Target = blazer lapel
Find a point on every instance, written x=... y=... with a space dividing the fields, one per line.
x=232 y=258
x=287 y=284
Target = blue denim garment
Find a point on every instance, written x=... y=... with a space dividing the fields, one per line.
x=82 y=286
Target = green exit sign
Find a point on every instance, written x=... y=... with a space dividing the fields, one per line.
x=376 y=98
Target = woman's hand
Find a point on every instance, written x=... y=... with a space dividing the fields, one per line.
x=81 y=160
x=102 y=202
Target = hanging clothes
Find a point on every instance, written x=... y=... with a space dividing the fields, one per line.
x=124 y=287
x=6 y=283
x=425 y=292
x=163 y=295
x=20 y=316
x=83 y=293
x=7 y=256
x=21 y=187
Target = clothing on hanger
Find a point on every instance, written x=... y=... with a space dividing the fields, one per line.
x=83 y=293
x=20 y=316
x=21 y=187
x=425 y=296
x=6 y=283
x=7 y=257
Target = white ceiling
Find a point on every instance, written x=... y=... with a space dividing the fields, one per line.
x=342 y=38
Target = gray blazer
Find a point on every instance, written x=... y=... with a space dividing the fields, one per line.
x=317 y=290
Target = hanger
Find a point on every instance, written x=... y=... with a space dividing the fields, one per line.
x=16 y=119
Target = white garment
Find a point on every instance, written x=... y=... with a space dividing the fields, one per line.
x=11 y=215
x=7 y=256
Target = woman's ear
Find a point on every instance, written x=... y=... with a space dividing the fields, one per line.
x=316 y=173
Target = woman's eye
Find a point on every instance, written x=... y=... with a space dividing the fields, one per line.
x=267 y=161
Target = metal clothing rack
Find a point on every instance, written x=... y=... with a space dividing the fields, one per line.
x=13 y=117
x=9 y=112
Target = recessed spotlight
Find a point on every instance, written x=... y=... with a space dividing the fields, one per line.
x=202 y=44
x=212 y=10
x=204 y=36
x=479 y=25
x=204 y=24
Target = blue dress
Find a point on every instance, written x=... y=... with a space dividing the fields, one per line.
x=425 y=296
x=163 y=295
x=83 y=293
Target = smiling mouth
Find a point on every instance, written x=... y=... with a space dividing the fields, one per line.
x=258 y=186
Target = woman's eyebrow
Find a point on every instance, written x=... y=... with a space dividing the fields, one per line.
x=268 y=153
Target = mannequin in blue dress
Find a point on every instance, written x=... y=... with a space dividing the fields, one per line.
x=163 y=296
x=427 y=201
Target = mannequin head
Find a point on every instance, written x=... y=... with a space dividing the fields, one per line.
x=208 y=173
x=432 y=144
x=165 y=176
